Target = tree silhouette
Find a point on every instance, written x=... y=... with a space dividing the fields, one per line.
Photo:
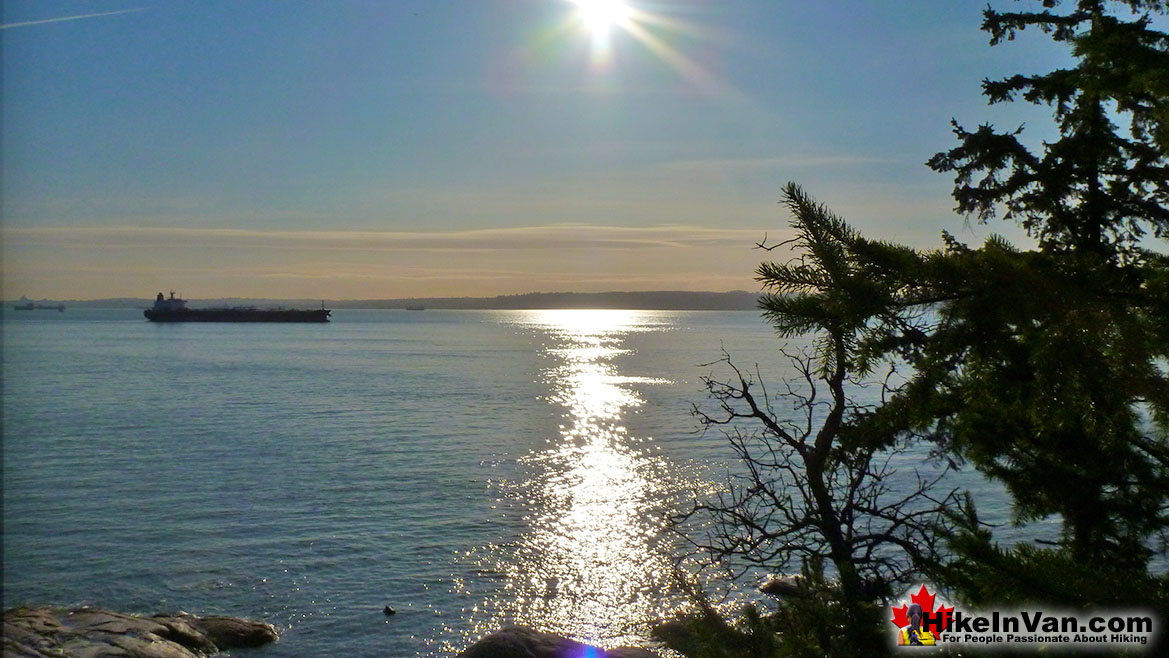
x=1046 y=370
x=816 y=487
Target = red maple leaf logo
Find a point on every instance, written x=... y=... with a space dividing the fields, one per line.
x=940 y=618
x=924 y=599
x=901 y=616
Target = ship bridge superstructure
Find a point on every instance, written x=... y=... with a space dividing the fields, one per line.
x=172 y=304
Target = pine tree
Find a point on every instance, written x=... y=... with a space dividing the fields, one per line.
x=1097 y=189
x=1047 y=369
x=814 y=490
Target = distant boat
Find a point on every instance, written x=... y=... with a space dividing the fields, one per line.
x=175 y=309
x=415 y=307
x=26 y=305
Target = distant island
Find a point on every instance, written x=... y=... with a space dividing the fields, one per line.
x=665 y=300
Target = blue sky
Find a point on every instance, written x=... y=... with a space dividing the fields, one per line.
x=447 y=147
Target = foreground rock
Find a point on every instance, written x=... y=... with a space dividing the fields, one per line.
x=42 y=632
x=523 y=642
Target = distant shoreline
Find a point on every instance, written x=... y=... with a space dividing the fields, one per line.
x=661 y=300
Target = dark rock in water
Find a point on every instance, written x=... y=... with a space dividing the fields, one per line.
x=45 y=631
x=782 y=585
x=232 y=632
x=389 y=611
x=674 y=633
x=523 y=642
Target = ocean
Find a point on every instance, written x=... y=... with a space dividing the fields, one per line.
x=468 y=468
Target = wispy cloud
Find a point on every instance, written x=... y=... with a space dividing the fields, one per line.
x=557 y=236
x=78 y=17
x=788 y=161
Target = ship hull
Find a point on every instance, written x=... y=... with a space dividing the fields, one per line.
x=236 y=315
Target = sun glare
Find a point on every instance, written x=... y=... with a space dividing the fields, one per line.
x=599 y=16
x=597 y=19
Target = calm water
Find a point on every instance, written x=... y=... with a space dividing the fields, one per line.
x=467 y=468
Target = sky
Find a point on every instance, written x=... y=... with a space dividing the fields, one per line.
x=386 y=149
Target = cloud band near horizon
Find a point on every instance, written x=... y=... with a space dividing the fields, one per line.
x=113 y=261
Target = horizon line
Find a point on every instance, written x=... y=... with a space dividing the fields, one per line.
x=394 y=299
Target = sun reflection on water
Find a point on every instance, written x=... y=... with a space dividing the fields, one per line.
x=592 y=562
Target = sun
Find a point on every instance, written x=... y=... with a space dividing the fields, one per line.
x=598 y=16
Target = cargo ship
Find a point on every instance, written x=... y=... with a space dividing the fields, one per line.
x=175 y=309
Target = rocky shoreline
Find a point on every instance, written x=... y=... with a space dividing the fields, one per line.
x=49 y=632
